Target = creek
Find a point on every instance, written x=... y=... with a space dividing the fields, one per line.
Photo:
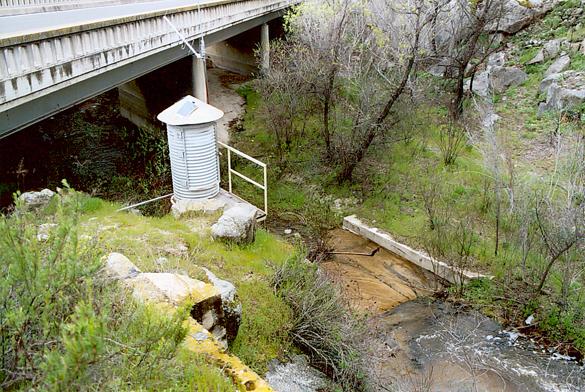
x=434 y=345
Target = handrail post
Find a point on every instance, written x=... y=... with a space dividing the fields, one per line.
x=265 y=191
x=232 y=171
x=229 y=170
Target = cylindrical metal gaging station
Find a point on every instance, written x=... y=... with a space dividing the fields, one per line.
x=193 y=148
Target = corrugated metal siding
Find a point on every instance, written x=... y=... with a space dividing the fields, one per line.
x=194 y=161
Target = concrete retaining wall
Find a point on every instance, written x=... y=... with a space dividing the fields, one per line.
x=385 y=240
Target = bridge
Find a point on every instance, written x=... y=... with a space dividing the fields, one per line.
x=58 y=53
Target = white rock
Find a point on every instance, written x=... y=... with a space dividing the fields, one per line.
x=37 y=199
x=287 y=231
x=119 y=266
x=237 y=224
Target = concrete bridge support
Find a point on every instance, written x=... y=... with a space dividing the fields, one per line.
x=265 y=49
x=199 y=78
x=143 y=98
x=238 y=54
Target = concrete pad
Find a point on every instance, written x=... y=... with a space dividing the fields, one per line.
x=223 y=201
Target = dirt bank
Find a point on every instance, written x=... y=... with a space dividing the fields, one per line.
x=222 y=86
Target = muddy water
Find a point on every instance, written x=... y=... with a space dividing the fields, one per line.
x=432 y=345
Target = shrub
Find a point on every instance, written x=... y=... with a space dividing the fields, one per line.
x=322 y=326
x=65 y=327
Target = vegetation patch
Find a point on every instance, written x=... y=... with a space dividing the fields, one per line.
x=164 y=244
x=64 y=326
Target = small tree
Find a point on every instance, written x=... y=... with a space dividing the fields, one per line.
x=466 y=26
x=354 y=61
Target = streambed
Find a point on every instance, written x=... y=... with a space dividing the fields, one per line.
x=433 y=345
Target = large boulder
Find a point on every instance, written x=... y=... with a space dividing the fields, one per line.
x=37 y=199
x=174 y=290
x=496 y=79
x=560 y=64
x=564 y=91
x=503 y=77
x=119 y=266
x=519 y=14
x=237 y=224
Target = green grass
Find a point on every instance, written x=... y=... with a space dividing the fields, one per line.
x=390 y=181
x=187 y=246
x=64 y=327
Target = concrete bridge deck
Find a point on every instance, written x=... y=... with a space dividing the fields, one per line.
x=50 y=61
x=37 y=22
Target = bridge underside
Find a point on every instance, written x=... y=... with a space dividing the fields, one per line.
x=19 y=117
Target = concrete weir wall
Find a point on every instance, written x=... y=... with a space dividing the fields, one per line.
x=385 y=240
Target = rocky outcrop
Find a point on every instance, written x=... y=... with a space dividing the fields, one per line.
x=519 y=14
x=231 y=305
x=564 y=91
x=550 y=50
x=36 y=200
x=237 y=224
x=175 y=290
x=560 y=64
x=205 y=326
x=497 y=79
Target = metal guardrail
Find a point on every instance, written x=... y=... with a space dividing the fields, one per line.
x=25 y=3
x=231 y=171
x=31 y=4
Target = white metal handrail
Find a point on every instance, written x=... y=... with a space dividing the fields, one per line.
x=231 y=171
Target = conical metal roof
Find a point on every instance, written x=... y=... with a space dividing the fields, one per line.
x=190 y=111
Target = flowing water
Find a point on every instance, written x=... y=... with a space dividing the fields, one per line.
x=433 y=345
